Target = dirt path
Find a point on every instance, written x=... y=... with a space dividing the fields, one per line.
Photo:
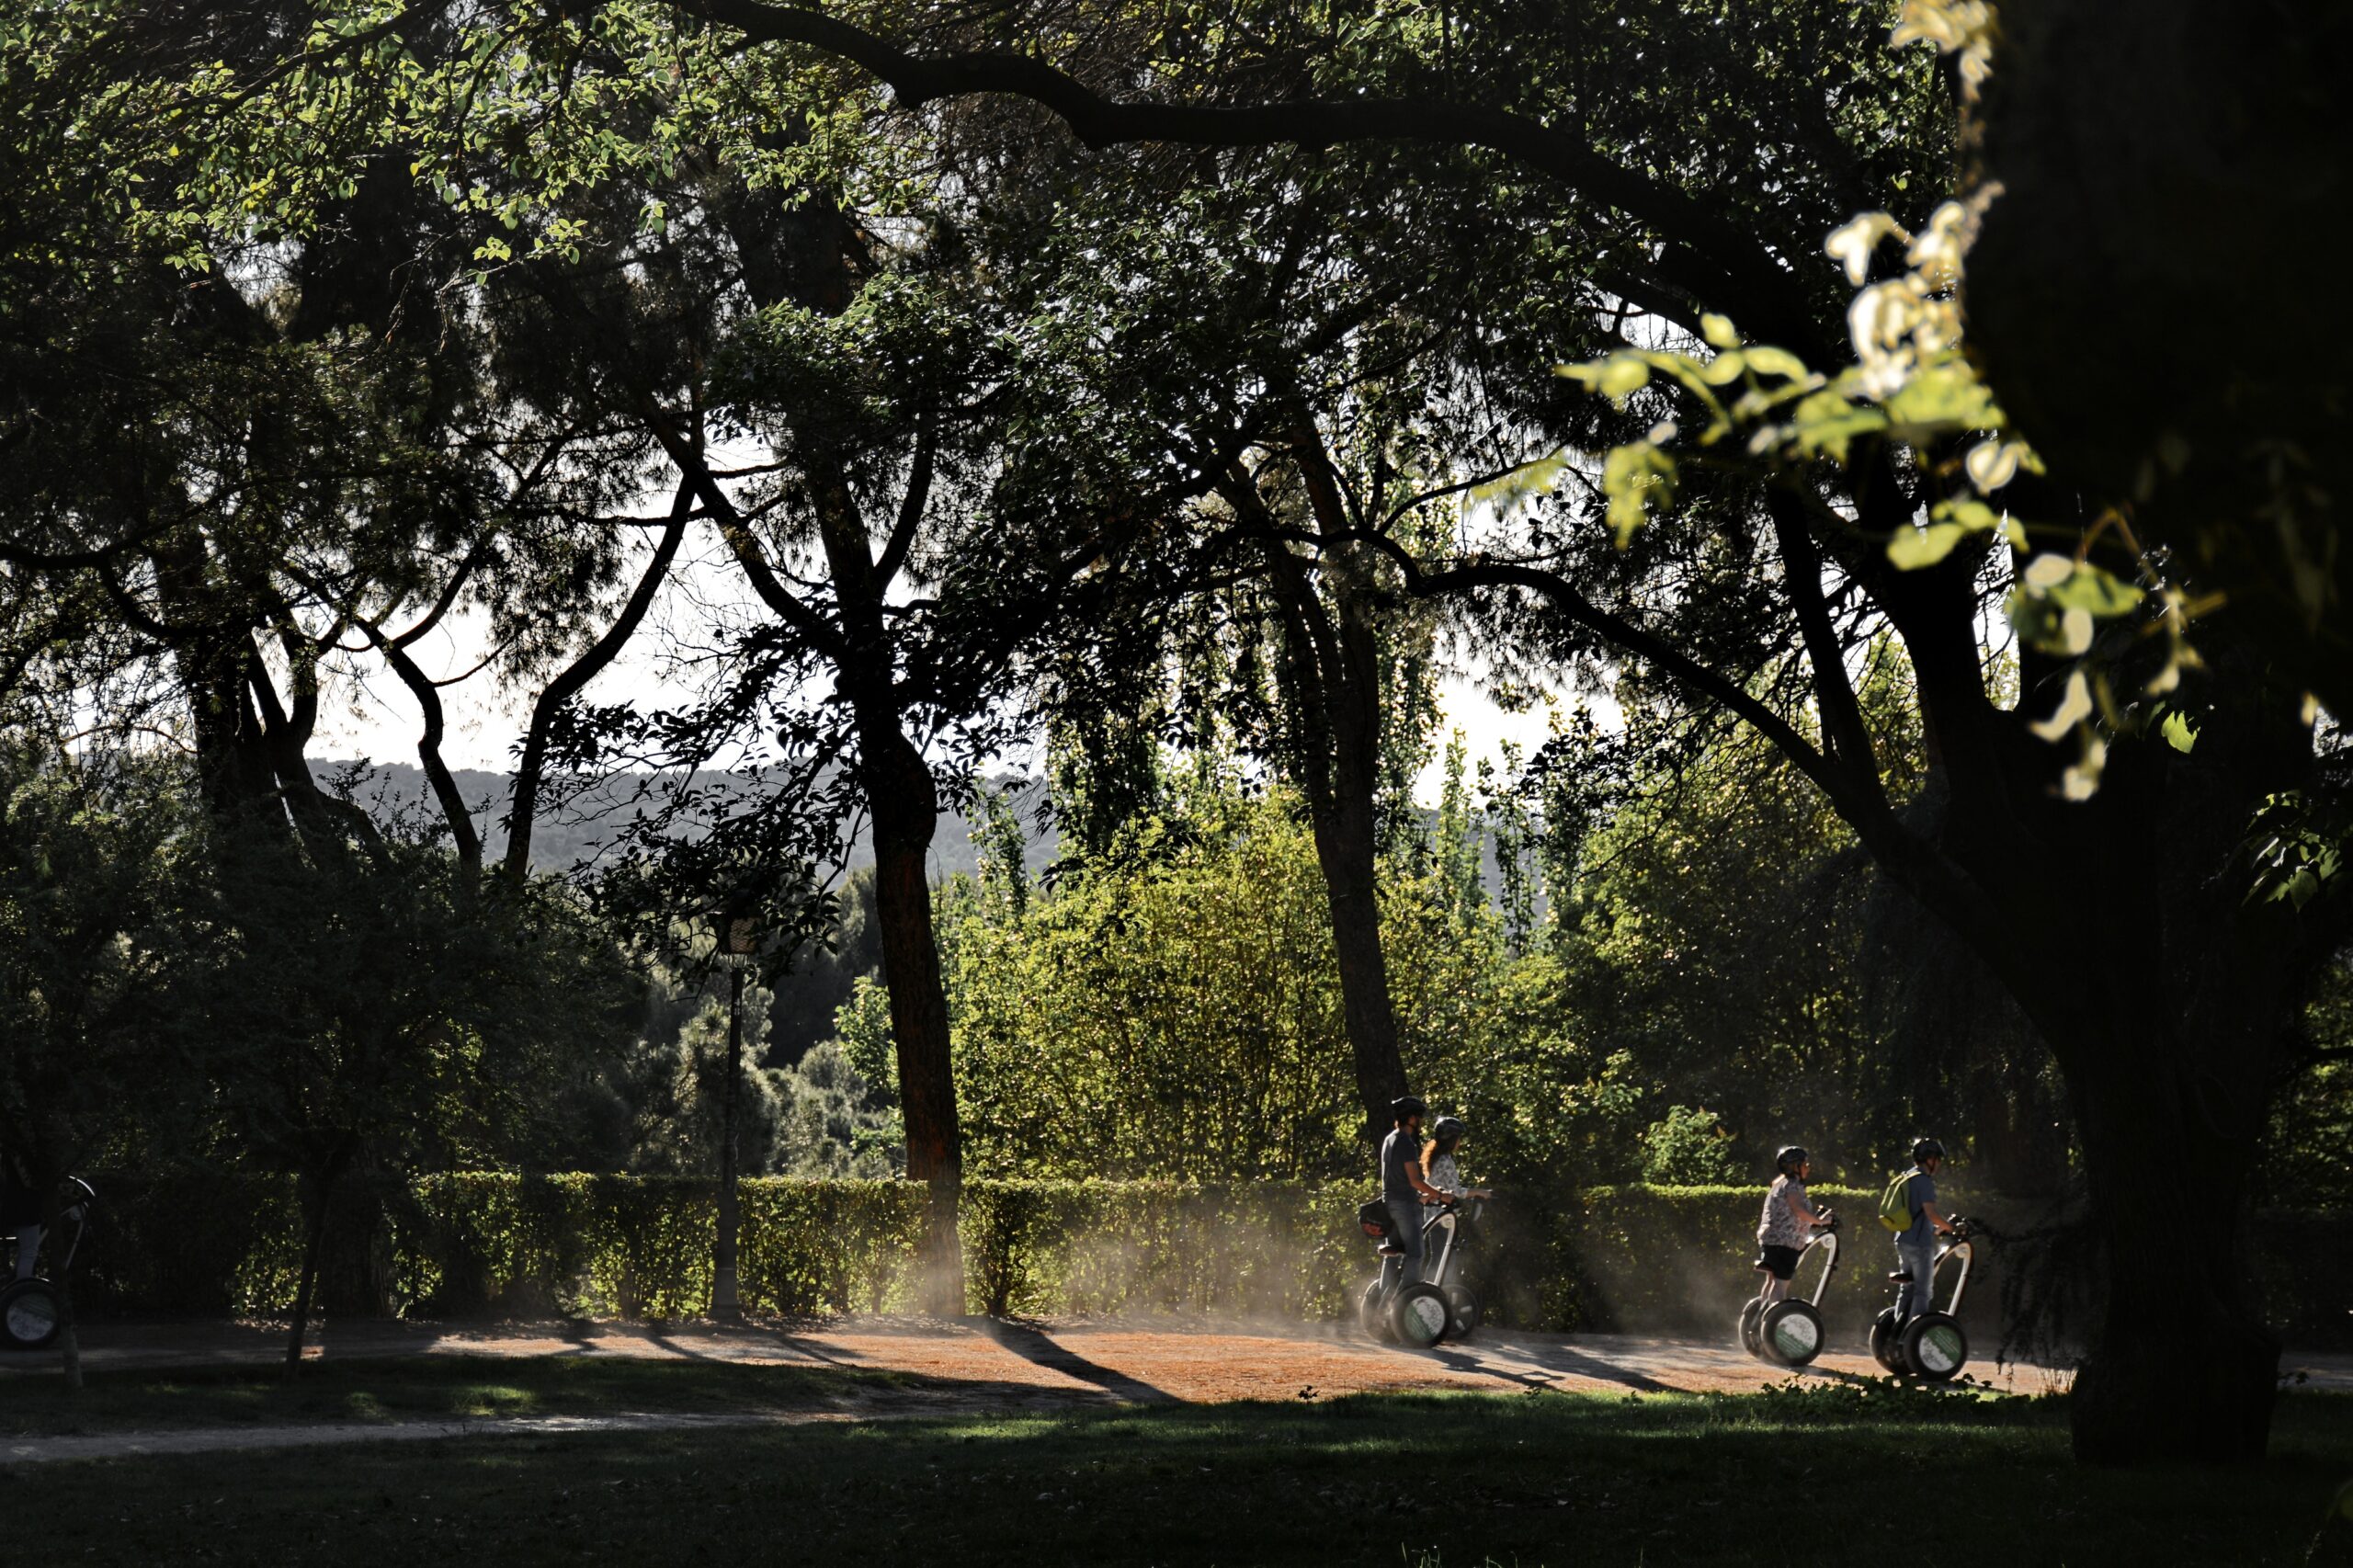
x=968 y=1365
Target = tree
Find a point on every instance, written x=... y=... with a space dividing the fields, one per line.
x=2212 y=167
x=2005 y=858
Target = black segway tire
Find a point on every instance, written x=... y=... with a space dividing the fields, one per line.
x=1789 y=1333
x=1464 y=1311
x=28 y=1315
x=1751 y=1310
x=1883 y=1337
x=1934 y=1347
x=1372 y=1317
x=1418 y=1316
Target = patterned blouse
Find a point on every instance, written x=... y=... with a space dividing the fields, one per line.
x=1780 y=1226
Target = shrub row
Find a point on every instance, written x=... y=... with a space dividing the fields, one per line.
x=1633 y=1259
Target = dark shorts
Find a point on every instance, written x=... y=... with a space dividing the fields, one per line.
x=1779 y=1262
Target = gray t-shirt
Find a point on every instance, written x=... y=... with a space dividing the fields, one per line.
x=1919 y=1193
x=1398 y=1150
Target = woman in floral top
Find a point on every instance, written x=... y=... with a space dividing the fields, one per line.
x=1788 y=1224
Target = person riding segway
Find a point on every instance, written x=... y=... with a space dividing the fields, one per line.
x=1912 y=1335
x=1447 y=1233
x=30 y=1311
x=1774 y=1325
x=1400 y=1304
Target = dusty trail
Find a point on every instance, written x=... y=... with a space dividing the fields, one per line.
x=967 y=1367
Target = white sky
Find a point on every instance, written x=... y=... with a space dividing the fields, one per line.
x=380 y=721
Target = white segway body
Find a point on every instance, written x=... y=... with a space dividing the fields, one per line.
x=1932 y=1346
x=30 y=1311
x=1442 y=1236
x=1789 y=1333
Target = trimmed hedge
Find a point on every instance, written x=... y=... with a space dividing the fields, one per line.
x=1631 y=1259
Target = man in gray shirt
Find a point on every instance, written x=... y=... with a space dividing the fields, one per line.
x=1915 y=1247
x=1403 y=1187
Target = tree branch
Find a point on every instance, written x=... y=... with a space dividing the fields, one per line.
x=1755 y=287
x=524 y=801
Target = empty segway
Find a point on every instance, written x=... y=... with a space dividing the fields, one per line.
x=1413 y=1313
x=1932 y=1345
x=31 y=1312
x=1789 y=1332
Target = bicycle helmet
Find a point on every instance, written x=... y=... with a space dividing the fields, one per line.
x=1406 y=1105
x=1928 y=1149
x=1449 y=1129
x=1791 y=1159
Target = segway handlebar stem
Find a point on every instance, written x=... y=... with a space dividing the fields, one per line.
x=1827 y=1241
x=1959 y=1246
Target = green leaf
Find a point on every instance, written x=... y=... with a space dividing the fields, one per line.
x=1636 y=479
x=1615 y=378
x=1718 y=331
x=2179 y=733
x=1940 y=399
x=1770 y=361
x=1827 y=422
x=1913 y=548
x=2096 y=590
x=1508 y=490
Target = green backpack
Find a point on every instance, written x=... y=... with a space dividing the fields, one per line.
x=1895 y=1203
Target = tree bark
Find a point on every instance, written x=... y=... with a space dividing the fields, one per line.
x=2183 y=1366
x=903 y=806
x=1332 y=652
x=314 y=1245
x=726 y=1297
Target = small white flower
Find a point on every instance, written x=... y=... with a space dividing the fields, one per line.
x=2075 y=630
x=2073 y=709
x=1851 y=245
x=1993 y=464
x=1937 y=254
x=2047 y=571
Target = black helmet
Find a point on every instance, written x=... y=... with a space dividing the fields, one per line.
x=1790 y=1158
x=1928 y=1149
x=1449 y=1129
x=1406 y=1105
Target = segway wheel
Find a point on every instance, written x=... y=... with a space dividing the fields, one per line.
x=1751 y=1310
x=1933 y=1347
x=1884 y=1338
x=28 y=1315
x=1790 y=1332
x=1463 y=1311
x=1370 y=1316
x=1419 y=1314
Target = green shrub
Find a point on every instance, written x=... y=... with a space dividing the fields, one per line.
x=1635 y=1259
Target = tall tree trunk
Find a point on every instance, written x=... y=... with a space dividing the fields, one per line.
x=904 y=805
x=1333 y=655
x=2183 y=1366
x=314 y=1245
x=1347 y=851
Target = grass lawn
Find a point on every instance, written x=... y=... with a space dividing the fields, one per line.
x=1416 y=1480
x=418 y=1388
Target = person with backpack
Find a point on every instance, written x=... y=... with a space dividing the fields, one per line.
x=1402 y=1189
x=1788 y=1224
x=1908 y=1208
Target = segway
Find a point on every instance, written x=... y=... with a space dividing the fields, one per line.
x=1449 y=1231
x=31 y=1312
x=1932 y=1345
x=1789 y=1333
x=1414 y=1312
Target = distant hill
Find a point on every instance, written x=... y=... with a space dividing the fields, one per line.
x=575 y=832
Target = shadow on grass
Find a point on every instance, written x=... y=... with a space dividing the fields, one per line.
x=1525 y=1479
